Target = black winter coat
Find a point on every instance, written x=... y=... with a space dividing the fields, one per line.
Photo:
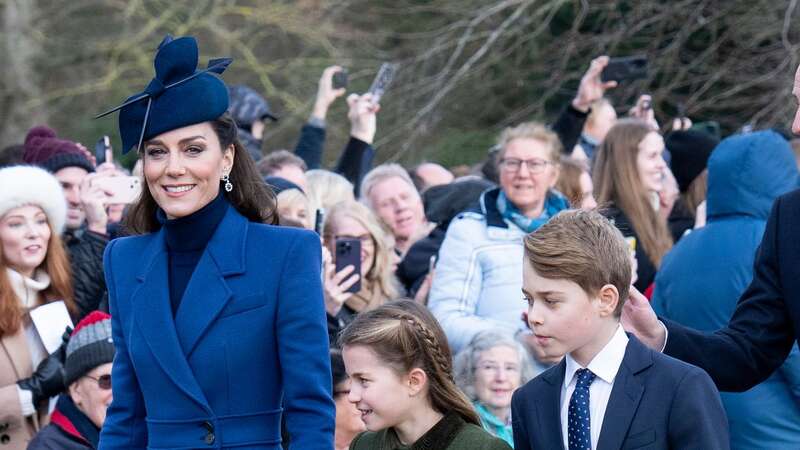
x=85 y=251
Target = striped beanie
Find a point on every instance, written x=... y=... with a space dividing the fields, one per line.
x=90 y=345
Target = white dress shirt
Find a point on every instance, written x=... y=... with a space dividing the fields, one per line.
x=605 y=365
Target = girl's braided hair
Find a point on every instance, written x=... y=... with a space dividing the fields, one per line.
x=404 y=335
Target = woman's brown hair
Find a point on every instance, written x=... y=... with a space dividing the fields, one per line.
x=56 y=264
x=569 y=180
x=696 y=192
x=404 y=335
x=616 y=181
x=250 y=195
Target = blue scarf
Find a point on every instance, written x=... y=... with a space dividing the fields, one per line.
x=553 y=203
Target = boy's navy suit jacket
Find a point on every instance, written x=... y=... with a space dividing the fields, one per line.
x=657 y=402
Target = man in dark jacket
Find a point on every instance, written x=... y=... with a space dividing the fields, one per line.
x=86 y=232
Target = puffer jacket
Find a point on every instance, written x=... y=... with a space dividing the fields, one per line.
x=478 y=276
x=704 y=274
x=85 y=251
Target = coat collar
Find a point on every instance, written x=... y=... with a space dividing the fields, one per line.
x=172 y=340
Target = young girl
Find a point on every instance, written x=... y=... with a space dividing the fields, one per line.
x=628 y=175
x=400 y=368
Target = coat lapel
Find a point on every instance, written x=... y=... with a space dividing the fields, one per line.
x=153 y=315
x=207 y=292
x=550 y=407
x=625 y=396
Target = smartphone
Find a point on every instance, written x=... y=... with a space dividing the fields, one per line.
x=348 y=253
x=382 y=81
x=319 y=220
x=340 y=79
x=627 y=68
x=121 y=189
x=102 y=150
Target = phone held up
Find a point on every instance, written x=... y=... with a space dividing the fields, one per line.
x=339 y=80
x=348 y=253
x=382 y=81
x=119 y=189
x=102 y=150
x=626 y=68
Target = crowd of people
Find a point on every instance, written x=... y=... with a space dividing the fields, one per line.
x=252 y=299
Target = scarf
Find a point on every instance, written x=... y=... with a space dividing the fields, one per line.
x=553 y=203
x=69 y=418
x=28 y=289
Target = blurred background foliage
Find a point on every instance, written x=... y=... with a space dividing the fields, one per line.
x=468 y=68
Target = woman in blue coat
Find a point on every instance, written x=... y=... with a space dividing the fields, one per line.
x=218 y=318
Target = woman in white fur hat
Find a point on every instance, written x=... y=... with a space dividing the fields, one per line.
x=34 y=270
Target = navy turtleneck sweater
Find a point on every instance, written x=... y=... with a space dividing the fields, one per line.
x=186 y=239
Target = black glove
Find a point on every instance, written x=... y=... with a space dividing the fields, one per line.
x=48 y=379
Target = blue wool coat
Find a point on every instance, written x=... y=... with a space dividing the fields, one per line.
x=248 y=338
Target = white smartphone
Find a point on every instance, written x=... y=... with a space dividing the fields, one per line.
x=121 y=189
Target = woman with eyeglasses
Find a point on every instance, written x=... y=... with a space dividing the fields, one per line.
x=478 y=279
x=488 y=370
x=353 y=220
x=34 y=271
x=80 y=412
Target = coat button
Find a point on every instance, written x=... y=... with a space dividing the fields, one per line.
x=210 y=438
x=5 y=439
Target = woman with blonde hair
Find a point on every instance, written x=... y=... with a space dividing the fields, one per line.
x=34 y=270
x=354 y=220
x=628 y=175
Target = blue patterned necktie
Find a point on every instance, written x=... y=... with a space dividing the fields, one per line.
x=579 y=436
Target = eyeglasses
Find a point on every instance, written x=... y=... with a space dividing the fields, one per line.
x=535 y=166
x=103 y=381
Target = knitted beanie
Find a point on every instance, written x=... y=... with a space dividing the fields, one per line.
x=90 y=345
x=43 y=148
x=690 y=150
x=28 y=185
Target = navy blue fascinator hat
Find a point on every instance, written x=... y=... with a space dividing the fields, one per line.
x=178 y=96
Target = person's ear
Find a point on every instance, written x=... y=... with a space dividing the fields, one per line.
x=228 y=158
x=75 y=392
x=416 y=380
x=608 y=299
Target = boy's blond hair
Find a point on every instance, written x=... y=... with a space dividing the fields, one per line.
x=582 y=247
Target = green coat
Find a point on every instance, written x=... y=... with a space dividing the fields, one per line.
x=452 y=429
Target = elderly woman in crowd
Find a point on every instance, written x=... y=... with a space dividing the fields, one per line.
x=79 y=415
x=478 y=279
x=33 y=271
x=489 y=370
x=378 y=284
x=326 y=188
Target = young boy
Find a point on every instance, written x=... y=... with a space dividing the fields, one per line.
x=609 y=391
